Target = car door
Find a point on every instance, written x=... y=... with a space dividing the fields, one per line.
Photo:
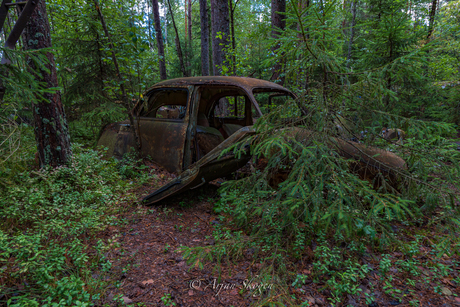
x=163 y=125
x=213 y=165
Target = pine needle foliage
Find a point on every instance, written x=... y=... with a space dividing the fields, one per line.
x=307 y=187
x=321 y=193
x=320 y=190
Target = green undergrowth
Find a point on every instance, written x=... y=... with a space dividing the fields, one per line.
x=338 y=268
x=50 y=218
x=307 y=188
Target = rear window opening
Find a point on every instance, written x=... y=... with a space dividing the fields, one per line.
x=166 y=104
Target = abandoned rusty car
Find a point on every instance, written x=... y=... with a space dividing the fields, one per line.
x=184 y=125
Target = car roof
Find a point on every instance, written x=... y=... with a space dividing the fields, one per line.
x=245 y=82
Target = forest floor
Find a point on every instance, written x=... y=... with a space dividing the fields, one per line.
x=148 y=269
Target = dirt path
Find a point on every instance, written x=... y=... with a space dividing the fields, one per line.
x=148 y=266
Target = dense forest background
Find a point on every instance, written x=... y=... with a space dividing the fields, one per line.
x=408 y=47
x=357 y=66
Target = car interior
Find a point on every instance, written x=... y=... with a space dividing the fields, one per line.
x=222 y=112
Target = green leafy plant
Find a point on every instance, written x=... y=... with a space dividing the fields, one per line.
x=167 y=300
x=51 y=215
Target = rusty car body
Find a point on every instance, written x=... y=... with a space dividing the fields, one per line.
x=184 y=125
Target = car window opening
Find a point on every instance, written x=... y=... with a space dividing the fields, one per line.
x=166 y=104
x=227 y=109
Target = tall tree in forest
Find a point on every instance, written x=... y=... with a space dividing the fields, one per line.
x=204 y=37
x=159 y=37
x=185 y=21
x=232 y=25
x=278 y=24
x=220 y=34
x=149 y=26
x=189 y=45
x=177 y=40
x=431 y=18
x=51 y=130
x=391 y=46
x=189 y=22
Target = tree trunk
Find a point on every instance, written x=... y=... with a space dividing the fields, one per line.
x=178 y=47
x=185 y=22
x=432 y=15
x=149 y=26
x=189 y=19
x=232 y=24
x=159 y=37
x=185 y=33
x=302 y=5
x=300 y=8
x=51 y=130
x=220 y=32
x=204 y=38
x=190 y=45
x=278 y=24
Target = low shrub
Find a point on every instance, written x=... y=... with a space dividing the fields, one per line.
x=47 y=234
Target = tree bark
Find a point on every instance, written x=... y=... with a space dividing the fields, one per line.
x=190 y=45
x=159 y=37
x=149 y=26
x=220 y=33
x=189 y=17
x=178 y=46
x=300 y=8
x=51 y=130
x=185 y=22
x=204 y=38
x=278 y=7
x=432 y=15
x=186 y=54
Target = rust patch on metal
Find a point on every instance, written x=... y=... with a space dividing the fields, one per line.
x=112 y=126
